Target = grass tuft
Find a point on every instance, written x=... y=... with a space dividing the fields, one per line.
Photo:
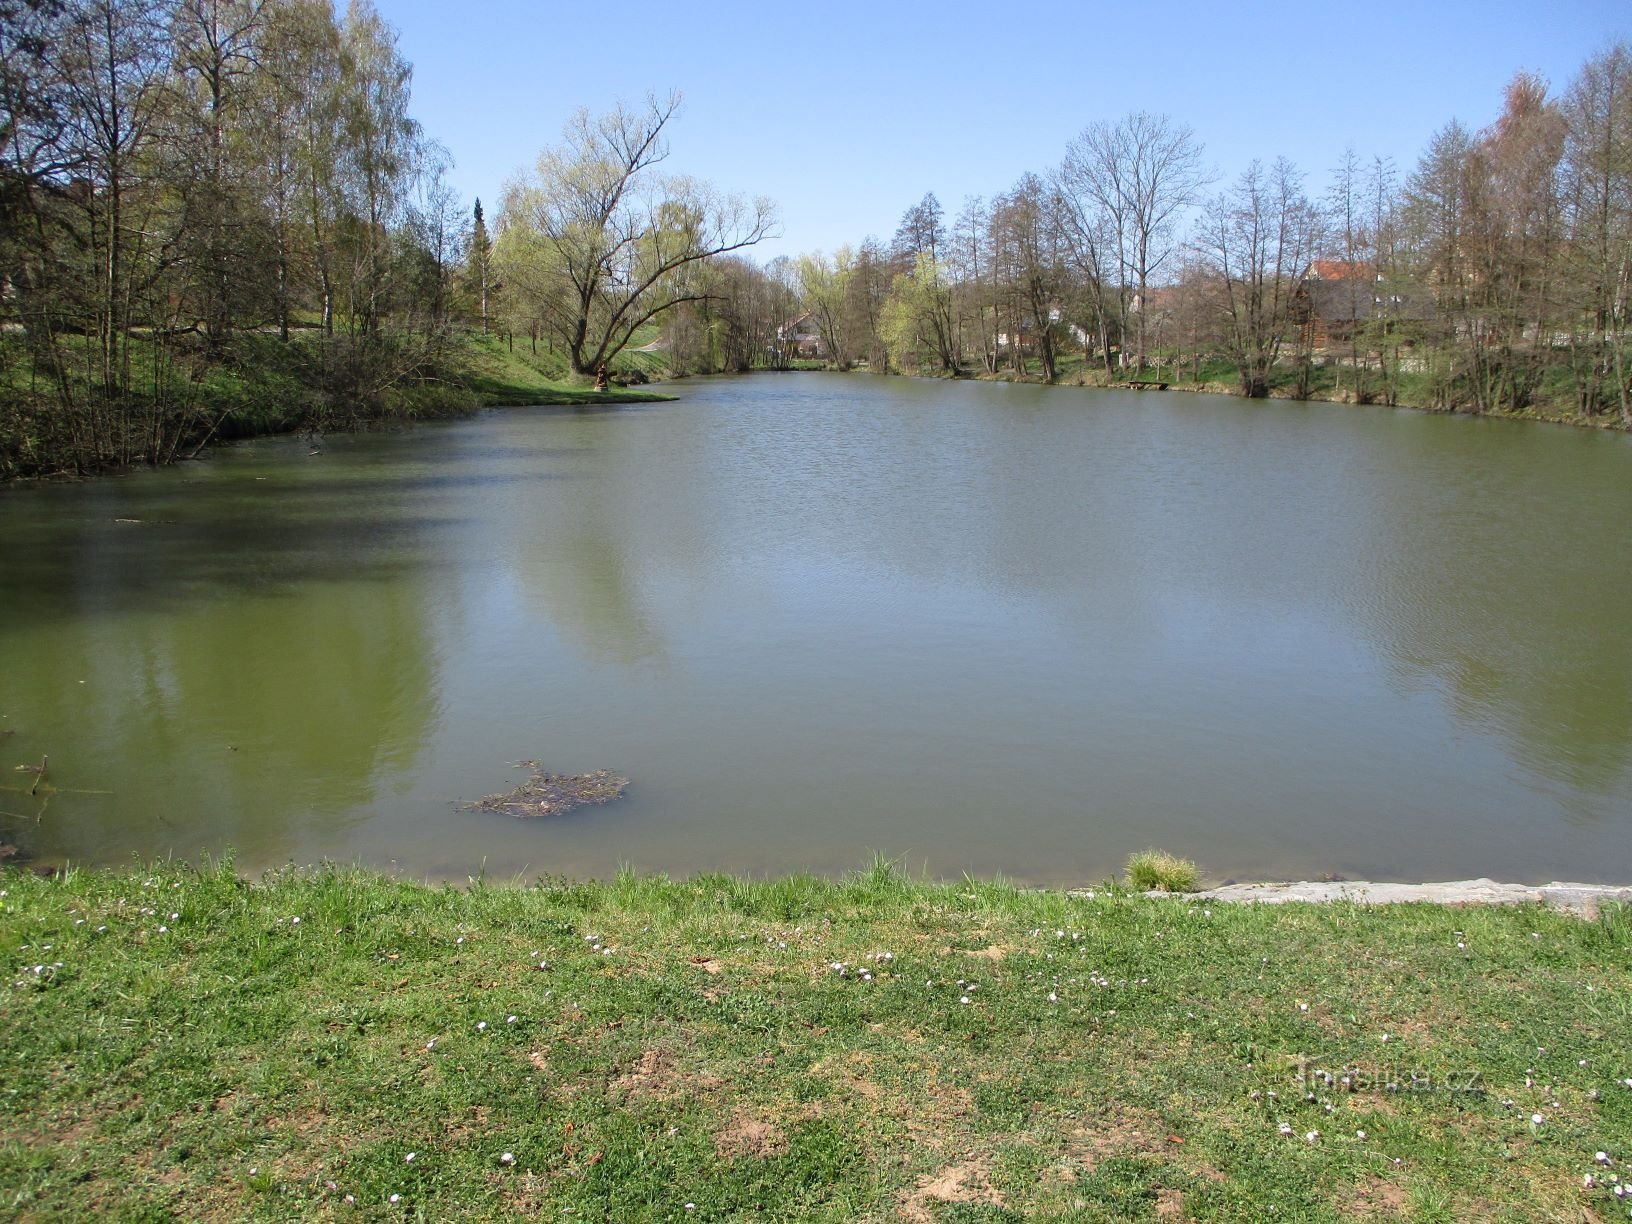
x=1159 y=871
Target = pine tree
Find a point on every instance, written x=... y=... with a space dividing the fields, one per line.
x=481 y=250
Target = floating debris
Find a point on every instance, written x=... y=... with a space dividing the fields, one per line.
x=547 y=794
x=37 y=770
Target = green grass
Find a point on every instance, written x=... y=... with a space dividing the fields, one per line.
x=506 y=373
x=176 y=1043
x=1160 y=871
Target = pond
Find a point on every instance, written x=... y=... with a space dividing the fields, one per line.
x=812 y=618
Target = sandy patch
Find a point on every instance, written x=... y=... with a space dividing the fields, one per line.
x=746 y=1135
x=969 y=1182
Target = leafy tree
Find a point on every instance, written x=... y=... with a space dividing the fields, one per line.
x=596 y=243
x=824 y=290
x=912 y=322
x=919 y=316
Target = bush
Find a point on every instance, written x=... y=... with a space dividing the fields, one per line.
x=1157 y=870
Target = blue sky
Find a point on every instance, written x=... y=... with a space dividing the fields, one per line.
x=846 y=113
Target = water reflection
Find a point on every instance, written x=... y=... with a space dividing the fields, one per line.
x=238 y=667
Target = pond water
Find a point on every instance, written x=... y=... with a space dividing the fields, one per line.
x=977 y=628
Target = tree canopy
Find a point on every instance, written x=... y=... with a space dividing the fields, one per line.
x=596 y=242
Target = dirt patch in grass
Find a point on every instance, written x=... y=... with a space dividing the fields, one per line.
x=653 y=1072
x=69 y=1132
x=951 y=1101
x=995 y=952
x=1375 y=1199
x=1130 y=1133
x=746 y=1135
x=850 y=1072
x=302 y=1125
x=1169 y=1204
x=657 y=1073
x=473 y=1123
x=525 y=1196
x=969 y=1182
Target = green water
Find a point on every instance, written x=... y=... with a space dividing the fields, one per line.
x=976 y=627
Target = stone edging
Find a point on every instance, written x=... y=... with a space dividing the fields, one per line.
x=1578 y=898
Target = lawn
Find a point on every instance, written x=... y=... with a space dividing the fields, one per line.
x=335 y=1044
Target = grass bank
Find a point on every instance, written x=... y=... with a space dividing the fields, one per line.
x=182 y=397
x=501 y=374
x=1327 y=383
x=339 y=1045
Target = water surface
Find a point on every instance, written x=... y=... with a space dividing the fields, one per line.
x=980 y=628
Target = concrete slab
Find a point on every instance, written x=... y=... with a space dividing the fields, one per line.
x=1578 y=898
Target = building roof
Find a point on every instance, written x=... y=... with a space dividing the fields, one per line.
x=1341 y=270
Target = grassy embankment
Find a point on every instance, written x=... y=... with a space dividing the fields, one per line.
x=181 y=399
x=308 y=1047
x=501 y=374
x=1554 y=401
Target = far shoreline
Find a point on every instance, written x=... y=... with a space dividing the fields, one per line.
x=1606 y=423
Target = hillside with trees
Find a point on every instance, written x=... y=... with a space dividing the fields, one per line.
x=220 y=217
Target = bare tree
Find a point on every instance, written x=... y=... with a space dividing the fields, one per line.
x=1514 y=243
x=869 y=289
x=1142 y=174
x=1026 y=240
x=1260 y=238
x=441 y=234
x=1088 y=236
x=598 y=244
x=1353 y=295
x=114 y=64
x=35 y=158
x=1438 y=216
x=1598 y=168
x=210 y=142
x=971 y=265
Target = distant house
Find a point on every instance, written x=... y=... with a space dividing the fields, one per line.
x=1339 y=297
x=1027 y=336
x=802 y=337
x=1342 y=270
